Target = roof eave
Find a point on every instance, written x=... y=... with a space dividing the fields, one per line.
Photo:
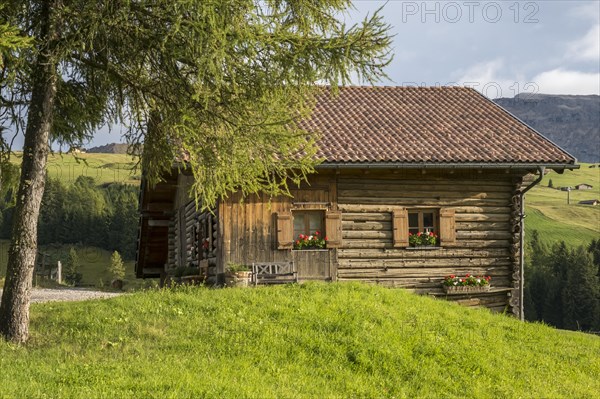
x=447 y=165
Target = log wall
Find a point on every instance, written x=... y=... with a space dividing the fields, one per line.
x=485 y=221
x=485 y=206
x=193 y=235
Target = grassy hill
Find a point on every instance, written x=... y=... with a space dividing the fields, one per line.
x=299 y=341
x=548 y=212
x=104 y=168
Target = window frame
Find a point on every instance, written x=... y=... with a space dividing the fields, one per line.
x=307 y=230
x=421 y=224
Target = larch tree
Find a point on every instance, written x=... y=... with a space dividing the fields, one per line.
x=116 y=269
x=218 y=83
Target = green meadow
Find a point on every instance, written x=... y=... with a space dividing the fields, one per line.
x=104 y=168
x=315 y=340
x=548 y=211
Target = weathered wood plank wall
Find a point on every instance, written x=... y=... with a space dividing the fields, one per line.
x=249 y=232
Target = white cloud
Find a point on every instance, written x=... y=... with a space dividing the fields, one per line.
x=560 y=81
x=486 y=77
x=587 y=48
x=587 y=10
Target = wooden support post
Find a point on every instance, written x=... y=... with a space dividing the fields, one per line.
x=59 y=272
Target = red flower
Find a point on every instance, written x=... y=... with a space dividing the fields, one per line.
x=297 y=241
x=419 y=234
x=301 y=236
x=317 y=233
x=326 y=239
x=468 y=275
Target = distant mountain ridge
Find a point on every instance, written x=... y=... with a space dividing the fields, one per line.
x=572 y=122
x=113 y=148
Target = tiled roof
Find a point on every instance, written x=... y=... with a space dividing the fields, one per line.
x=424 y=125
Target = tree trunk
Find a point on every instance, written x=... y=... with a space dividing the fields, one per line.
x=14 y=308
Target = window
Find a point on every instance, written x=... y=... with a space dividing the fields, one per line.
x=307 y=222
x=412 y=221
x=291 y=224
x=425 y=220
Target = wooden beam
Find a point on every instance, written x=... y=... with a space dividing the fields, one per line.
x=159 y=223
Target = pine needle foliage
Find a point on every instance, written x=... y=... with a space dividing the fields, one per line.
x=217 y=85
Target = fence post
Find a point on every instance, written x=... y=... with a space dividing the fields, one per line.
x=59 y=272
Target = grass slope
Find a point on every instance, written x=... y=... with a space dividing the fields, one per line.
x=104 y=168
x=298 y=341
x=548 y=212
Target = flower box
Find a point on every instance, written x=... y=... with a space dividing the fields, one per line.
x=310 y=242
x=422 y=239
x=424 y=247
x=459 y=289
x=456 y=285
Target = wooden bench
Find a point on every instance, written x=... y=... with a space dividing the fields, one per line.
x=274 y=273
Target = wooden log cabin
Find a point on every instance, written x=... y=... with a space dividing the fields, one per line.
x=397 y=160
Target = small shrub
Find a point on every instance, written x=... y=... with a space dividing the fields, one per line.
x=116 y=269
x=237 y=267
x=72 y=276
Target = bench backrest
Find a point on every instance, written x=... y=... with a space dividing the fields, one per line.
x=273 y=272
x=273 y=268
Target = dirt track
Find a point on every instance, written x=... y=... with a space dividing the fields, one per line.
x=39 y=295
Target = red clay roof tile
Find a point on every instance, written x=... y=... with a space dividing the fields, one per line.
x=424 y=125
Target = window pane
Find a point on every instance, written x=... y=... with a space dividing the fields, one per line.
x=315 y=221
x=413 y=221
x=298 y=224
x=428 y=221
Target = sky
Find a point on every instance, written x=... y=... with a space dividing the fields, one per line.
x=501 y=48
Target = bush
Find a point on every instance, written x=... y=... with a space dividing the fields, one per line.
x=71 y=266
x=116 y=270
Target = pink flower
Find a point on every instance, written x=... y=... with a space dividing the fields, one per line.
x=317 y=233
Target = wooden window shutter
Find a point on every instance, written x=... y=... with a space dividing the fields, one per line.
x=285 y=230
x=447 y=226
x=400 y=225
x=333 y=229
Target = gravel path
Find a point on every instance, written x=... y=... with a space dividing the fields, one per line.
x=39 y=295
